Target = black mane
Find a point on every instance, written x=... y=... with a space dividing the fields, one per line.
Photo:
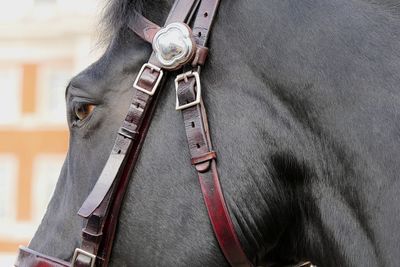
x=116 y=14
x=392 y=6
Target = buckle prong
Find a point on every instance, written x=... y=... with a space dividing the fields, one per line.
x=157 y=83
x=185 y=77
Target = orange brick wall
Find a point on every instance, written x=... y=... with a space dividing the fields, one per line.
x=25 y=144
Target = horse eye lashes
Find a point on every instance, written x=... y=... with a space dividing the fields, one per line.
x=80 y=112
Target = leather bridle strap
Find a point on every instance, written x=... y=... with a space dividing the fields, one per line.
x=148 y=79
x=204 y=160
x=146 y=29
x=103 y=203
x=30 y=258
x=200 y=146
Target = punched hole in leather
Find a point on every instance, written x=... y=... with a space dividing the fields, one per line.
x=197 y=139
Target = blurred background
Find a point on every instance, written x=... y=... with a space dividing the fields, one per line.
x=43 y=43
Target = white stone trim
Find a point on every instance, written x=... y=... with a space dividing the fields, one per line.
x=8 y=187
x=10 y=94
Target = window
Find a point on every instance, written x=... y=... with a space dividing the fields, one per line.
x=10 y=95
x=11 y=230
x=53 y=81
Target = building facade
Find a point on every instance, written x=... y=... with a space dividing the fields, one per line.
x=43 y=43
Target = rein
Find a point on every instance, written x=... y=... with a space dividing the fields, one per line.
x=175 y=46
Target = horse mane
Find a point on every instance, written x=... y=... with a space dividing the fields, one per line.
x=115 y=15
x=390 y=6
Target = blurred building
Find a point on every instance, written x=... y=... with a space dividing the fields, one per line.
x=43 y=43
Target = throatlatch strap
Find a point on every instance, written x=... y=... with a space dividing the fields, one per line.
x=200 y=146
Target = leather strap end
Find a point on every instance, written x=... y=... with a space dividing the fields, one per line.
x=204 y=158
x=29 y=257
x=85 y=212
x=200 y=56
x=143 y=27
x=203 y=167
x=91 y=237
x=203 y=162
x=128 y=133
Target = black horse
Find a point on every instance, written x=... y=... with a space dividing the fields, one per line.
x=303 y=101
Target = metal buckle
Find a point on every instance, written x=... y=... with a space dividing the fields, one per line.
x=153 y=68
x=85 y=253
x=185 y=76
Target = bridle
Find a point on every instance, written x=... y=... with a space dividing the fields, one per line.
x=175 y=46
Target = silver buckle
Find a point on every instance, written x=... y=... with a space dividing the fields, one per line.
x=87 y=254
x=153 y=68
x=185 y=76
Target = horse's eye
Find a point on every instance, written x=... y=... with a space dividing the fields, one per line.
x=83 y=110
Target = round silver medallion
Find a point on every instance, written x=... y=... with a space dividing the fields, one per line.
x=173 y=45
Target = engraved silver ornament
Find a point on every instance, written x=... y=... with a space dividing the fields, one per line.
x=173 y=45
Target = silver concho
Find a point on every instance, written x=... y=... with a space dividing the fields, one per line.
x=173 y=45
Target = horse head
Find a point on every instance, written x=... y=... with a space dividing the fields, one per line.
x=302 y=100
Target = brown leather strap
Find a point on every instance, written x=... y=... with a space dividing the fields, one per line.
x=103 y=204
x=181 y=11
x=98 y=234
x=204 y=159
x=143 y=27
x=127 y=134
x=30 y=258
x=200 y=146
x=110 y=219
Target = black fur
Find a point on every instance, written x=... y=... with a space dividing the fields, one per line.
x=303 y=103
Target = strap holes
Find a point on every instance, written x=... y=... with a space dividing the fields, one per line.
x=119 y=151
x=199 y=34
x=205 y=14
x=193 y=125
x=137 y=105
x=198 y=145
